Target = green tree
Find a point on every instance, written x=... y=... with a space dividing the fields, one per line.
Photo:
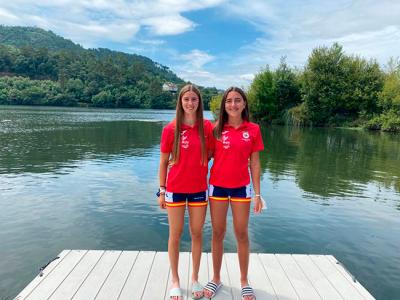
x=103 y=99
x=215 y=104
x=262 y=96
x=287 y=88
x=389 y=97
x=338 y=88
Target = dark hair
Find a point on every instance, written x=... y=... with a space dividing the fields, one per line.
x=223 y=115
x=179 y=120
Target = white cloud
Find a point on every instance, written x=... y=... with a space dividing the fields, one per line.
x=196 y=59
x=366 y=28
x=192 y=66
x=152 y=42
x=168 y=25
x=7 y=16
x=89 y=22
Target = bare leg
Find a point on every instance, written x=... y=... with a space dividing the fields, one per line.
x=240 y=213
x=196 y=221
x=219 y=210
x=176 y=222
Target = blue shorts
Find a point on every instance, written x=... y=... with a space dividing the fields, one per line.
x=240 y=194
x=179 y=199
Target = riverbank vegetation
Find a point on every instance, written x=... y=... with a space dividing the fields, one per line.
x=37 y=67
x=333 y=89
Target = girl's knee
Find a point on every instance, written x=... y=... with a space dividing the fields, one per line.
x=175 y=236
x=196 y=234
x=218 y=234
x=242 y=236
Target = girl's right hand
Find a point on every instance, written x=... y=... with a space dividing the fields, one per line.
x=161 y=201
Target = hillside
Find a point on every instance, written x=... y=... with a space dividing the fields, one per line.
x=35 y=37
x=38 y=67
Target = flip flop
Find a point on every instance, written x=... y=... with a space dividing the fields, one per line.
x=248 y=291
x=175 y=292
x=213 y=288
x=197 y=288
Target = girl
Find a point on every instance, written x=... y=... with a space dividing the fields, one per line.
x=236 y=141
x=184 y=144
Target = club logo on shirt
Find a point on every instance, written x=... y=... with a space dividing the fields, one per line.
x=225 y=140
x=246 y=136
x=184 y=140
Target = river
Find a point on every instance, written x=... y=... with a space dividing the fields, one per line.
x=79 y=178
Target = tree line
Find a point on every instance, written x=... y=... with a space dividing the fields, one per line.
x=333 y=89
x=54 y=71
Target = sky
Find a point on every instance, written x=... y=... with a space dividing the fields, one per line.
x=218 y=42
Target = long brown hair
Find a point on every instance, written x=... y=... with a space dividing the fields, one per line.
x=223 y=115
x=179 y=120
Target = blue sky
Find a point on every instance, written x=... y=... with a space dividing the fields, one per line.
x=218 y=42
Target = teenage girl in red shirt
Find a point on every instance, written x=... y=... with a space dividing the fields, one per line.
x=184 y=148
x=236 y=141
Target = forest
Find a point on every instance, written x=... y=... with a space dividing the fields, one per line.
x=332 y=89
x=37 y=67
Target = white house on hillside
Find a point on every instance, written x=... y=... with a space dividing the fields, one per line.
x=170 y=87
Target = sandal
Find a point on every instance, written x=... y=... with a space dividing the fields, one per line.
x=213 y=288
x=248 y=291
x=175 y=292
x=197 y=288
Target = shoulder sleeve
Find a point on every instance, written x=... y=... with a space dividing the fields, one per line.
x=167 y=139
x=258 y=144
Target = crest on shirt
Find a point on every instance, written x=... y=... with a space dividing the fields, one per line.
x=246 y=136
x=184 y=140
x=225 y=140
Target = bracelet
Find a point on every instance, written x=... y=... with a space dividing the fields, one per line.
x=257 y=195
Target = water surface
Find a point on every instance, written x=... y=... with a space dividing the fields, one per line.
x=74 y=178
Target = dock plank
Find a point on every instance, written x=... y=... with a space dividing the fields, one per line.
x=123 y=275
x=279 y=280
x=47 y=287
x=157 y=282
x=115 y=281
x=42 y=276
x=349 y=277
x=304 y=289
x=342 y=285
x=324 y=288
x=98 y=276
x=136 y=282
x=259 y=279
x=75 y=279
x=232 y=263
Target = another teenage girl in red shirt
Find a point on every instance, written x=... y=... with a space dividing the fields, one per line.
x=184 y=147
x=236 y=141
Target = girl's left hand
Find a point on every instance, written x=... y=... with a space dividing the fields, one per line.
x=257 y=205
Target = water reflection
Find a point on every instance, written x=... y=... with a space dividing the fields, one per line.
x=85 y=179
x=332 y=162
x=45 y=151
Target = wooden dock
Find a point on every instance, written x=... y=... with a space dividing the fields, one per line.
x=123 y=275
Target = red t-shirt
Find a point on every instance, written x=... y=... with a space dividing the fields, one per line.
x=231 y=155
x=188 y=175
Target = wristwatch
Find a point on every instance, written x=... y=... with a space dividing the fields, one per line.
x=161 y=191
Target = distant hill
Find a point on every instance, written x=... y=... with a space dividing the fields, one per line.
x=35 y=37
x=38 y=67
